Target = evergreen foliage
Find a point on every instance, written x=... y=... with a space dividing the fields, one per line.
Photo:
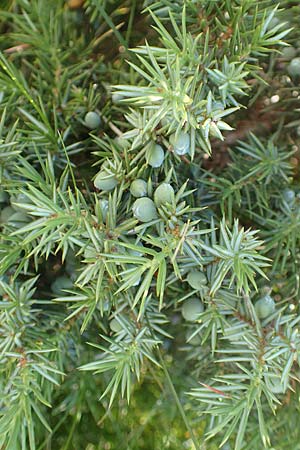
x=150 y=224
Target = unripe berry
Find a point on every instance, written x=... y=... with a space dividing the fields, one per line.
x=218 y=106
x=104 y=181
x=264 y=307
x=103 y=203
x=71 y=263
x=4 y=197
x=116 y=97
x=294 y=67
x=164 y=193
x=89 y=252
x=289 y=195
x=180 y=142
x=18 y=219
x=6 y=213
x=273 y=23
x=196 y=279
x=61 y=283
x=121 y=142
x=225 y=447
x=191 y=309
x=274 y=384
x=195 y=340
x=144 y=209
x=92 y=120
x=136 y=277
x=138 y=188
x=138 y=244
x=19 y=199
x=155 y=156
x=115 y=325
x=289 y=53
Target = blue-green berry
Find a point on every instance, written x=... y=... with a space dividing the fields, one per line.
x=92 y=120
x=6 y=213
x=274 y=384
x=115 y=325
x=196 y=279
x=226 y=447
x=122 y=143
x=134 y=275
x=155 y=156
x=163 y=194
x=294 y=67
x=273 y=23
x=289 y=195
x=60 y=284
x=105 y=181
x=135 y=252
x=19 y=199
x=116 y=97
x=191 y=309
x=138 y=188
x=103 y=203
x=195 y=340
x=18 y=219
x=89 y=252
x=264 y=307
x=71 y=263
x=180 y=142
x=289 y=53
x=144 y=209
x=4 y=197
x=218 y=106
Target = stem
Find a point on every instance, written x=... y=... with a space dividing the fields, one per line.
x=67 y=444
x=173 y=391
x=177 y=400
x=76 y=419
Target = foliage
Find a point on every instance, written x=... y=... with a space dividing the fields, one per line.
x=195 y=98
